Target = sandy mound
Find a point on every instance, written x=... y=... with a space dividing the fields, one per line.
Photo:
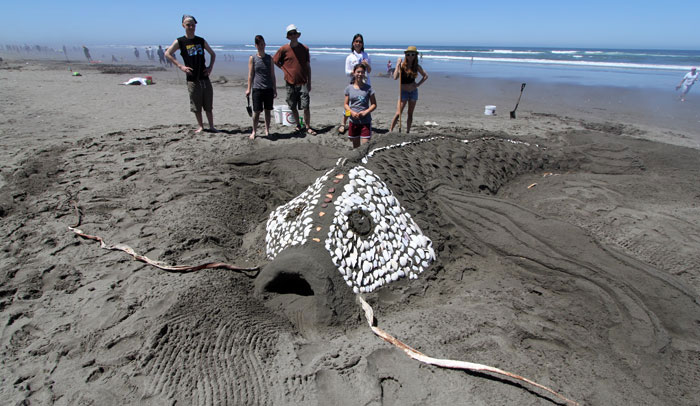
x=528 y=280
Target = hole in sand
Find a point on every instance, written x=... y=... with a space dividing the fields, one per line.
x=294 y=212
x=360 y=222
x=289 y=283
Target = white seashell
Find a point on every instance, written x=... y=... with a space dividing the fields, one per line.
x=348 y=282
x=387 y=279
x=431 y=253
x=394 y=276
x=362 y=289
x=425 y=264
x=403 y=261
x=393 y=266
x=352 y=259
x=421 y=253
x=411 y=251
x=355 y=290
x=401 y=273
x=366 y=267
x=338 y=253
x=387 y=255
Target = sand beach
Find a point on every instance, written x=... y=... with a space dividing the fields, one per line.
x=566 y=244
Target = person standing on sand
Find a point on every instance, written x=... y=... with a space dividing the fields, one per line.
x=261 y=79
x=136 y=53
x=86 y=51
x=295 y=62
x=161 y=55
x=358 y=55
x=687 y=82
x=360 y=102
x=408 y=70
x=192 y=50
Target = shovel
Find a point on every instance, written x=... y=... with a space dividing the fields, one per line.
x=248 y=108
x=512 y=113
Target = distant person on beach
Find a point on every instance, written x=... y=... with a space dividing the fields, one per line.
x=161 y=55
x=136 y=53
x=360 y=102
x=86 y=51
x=407 y=70
x=295 y=62
x=687 y=82
x=357 y=56
x=389 y=69
x=262 y=82
x=192 y=50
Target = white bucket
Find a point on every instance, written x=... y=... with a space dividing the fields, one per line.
x=283 y=115
x=490 y=110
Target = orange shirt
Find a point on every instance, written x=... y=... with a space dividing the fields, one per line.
x=294 y=61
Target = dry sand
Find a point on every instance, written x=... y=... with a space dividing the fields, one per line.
x=587 y=282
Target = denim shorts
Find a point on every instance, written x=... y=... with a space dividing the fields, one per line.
x=412 y=95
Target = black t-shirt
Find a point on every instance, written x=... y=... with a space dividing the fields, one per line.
x=192 y=52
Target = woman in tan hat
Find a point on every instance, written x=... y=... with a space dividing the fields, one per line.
x=408 y=70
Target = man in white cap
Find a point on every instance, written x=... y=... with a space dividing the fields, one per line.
x=295 y=62
x=192 y=50
x=687 y=82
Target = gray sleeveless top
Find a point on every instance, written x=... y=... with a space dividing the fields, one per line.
x=261 y=72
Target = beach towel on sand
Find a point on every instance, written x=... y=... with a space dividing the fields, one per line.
x=137 y=81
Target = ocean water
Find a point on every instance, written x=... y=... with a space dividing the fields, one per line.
x=640 y=68
x=643 y=68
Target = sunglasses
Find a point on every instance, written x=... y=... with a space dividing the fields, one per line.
x=411 y=54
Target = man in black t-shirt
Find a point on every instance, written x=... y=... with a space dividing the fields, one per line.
x=192 y=50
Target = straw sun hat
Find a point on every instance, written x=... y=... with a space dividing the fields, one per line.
x=411 y=49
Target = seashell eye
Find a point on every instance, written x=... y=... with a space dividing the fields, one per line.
x=360 y=222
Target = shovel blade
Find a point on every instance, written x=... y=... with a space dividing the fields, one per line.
x=512 y=114
x=249 y=110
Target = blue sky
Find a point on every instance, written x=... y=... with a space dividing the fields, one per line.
x=591 y=23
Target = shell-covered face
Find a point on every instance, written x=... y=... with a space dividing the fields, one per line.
x=291 y=223
x=371 y=239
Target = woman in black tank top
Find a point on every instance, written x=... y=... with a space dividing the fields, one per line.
x=407 y=70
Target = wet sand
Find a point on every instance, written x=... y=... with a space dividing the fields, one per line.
x=568 y=257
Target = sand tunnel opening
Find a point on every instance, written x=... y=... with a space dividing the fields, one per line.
x=289 y=283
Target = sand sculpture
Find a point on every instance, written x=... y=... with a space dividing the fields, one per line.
x=370 y=238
